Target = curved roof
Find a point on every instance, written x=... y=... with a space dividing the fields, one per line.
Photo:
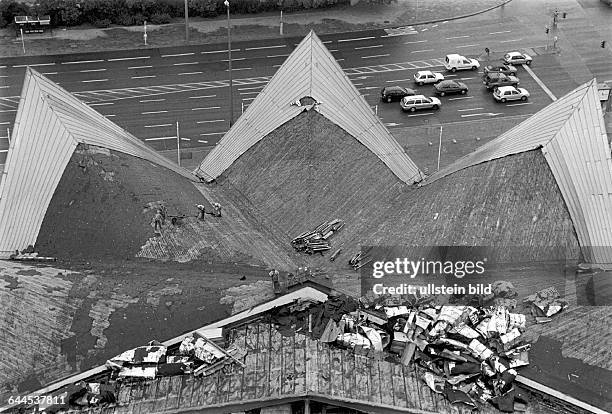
x=50 y=123
x=571 y=135
x=312 y=71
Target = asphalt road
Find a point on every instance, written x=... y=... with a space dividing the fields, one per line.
x=147 y=91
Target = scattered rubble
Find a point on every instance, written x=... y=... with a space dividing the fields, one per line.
x=316 y=241
x=545 y=304
x=360 y=259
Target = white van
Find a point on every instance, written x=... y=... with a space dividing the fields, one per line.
x=456 y=62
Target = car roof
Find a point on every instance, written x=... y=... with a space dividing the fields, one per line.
x=506 y=88
x=447 y=81
x=422 y=72
x=415 y=97
x=514 y=53
x=454 y=55
x=394 y=87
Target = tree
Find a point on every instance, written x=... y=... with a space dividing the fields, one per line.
x=10 y=9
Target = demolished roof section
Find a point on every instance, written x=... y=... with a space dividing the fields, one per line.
x=50 y=123
x=310 y=71
x=571 y=135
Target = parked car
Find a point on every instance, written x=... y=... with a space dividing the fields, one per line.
x=493 y=79
x=510 y=93
x=455 y=62
x=395 y=93
x=426 y=76
x=517 y=58
x=450 y=86
x=502 y=68
x=412 y=103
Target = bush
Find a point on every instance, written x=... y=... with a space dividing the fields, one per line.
x=10 y=9
x=139 y=19
x=161 y=18
x=102 y=23
x=203 y=8
x=125 y=19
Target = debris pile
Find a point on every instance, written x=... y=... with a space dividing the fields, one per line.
x=316 y=241
x=545 y=304
x=360 y=259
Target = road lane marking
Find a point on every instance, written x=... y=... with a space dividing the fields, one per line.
x=276 y=66
x=219 y=51
x=459 y=47
x=539 y=82
x=463 y=97
x=5 y=86
x=101 y=104
x=34 y=65
x=250 y=88
x=248 y=99
x=233 y=59
x=332 y=50
x=94 y=80
x=504 y=31
x=110 y=115
x=203 y=141
x=249 y=93
x=202 y=96
x=210 y=122
x=368 y=47
x=159 y=138
x=374 y=56
x=185 y=63
x=8 y=110
x=211 y=133
x=265 y=47
x=227 y=70
x=156 y=126
x=128 y=58
x=142 y=77
x=513 y=40
x=518 y=104
x=399 y=80
x=465 y=78
x=208 y=107
x=415 y=41
x=179 y=54
x=92 y=70
x=74 y=62
x=424 y=50
x=470 y=109
x=356 y=39
x=457 y=37
x=154 y=112
x=427 y=113
x=140 y=67
x=276 y=56
x=190 y=73
x=151 y=100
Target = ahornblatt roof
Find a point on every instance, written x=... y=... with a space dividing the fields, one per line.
x=50 y=123
x=571 y=135
x=310 y=71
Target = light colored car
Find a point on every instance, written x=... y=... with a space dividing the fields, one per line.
x=455 y=62
x=426 y=76
x=510 y=93
x=517 y=58
x=412 y=103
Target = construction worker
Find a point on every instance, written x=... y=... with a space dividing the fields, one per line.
x=156 y=223
x=275 y=281
x=163 y=211
x=202 y=212
x=217 y=210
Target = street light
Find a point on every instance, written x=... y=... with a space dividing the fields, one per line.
x=229 y=61
x=186 y=22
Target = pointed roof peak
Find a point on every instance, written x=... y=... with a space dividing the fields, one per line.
x=310 y=71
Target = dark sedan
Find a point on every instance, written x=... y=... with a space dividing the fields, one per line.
x=505 y=69
x=450 y=86
x=395 y=93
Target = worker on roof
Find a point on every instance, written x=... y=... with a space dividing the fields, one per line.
x=163 y=211
x=202 y=211
x=156 y=223
x=216 y=210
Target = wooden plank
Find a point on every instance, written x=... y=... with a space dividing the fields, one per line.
x=324 y=369
x=300 y=363
x=411 y=384
x=135 y=396
x=123 y=395
x=276 y=363
x=237 y=373
x=186 y=391
x=250 y=372
x=288 y=373
x=149 y=397
x=312 y=365
x=161 y=393
x=386 y=386
x=251 y=338
x=399 y=390
x=197 y=393
x=427 y=398
x=174 y=389
x=375 y=395
x=337 y=381
x=224 y=387
x=348 y=369
x=362 y=374
x=212 y=388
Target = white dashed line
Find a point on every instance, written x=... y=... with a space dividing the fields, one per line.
x=154 y=112
x=151 y=100
x=212 y=133
x=399 y=80
x=218 y=51
x=505 y=31
x=34 y=65
x=185 y=63
x=140 y=67
x=420 y=51
x=368 y=47
x=457 y=37
x=470 y=109
x=427 y=113
x=190 y=73
x=82 y=61
x=277 y=56
x=143 y=77
x=159 y=138
x=94 y=80
x=519 y=104
x=510 y=41
x=210 y=122
x=233 y=59
x=156 y=126
x=459 y=47
x=250 y=88
x=374 y=56
x=101 y=104
x=463 y=97
x=92 y=70
x=415 y=41
x=264 y=47
x=202 y=96
x=249 y=93
x=179 y=54
x=354 y=40
x=208 y=107
x=203 y=141
x=227 y=70
x=128 y=58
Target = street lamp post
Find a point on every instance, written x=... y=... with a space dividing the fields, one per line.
x=229 y=61
x=186 y=22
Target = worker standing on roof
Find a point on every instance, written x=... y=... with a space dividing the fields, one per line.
x=163 y=211
x=156 y=223
x=274 y=275
x=202 y=211
x=217 y=209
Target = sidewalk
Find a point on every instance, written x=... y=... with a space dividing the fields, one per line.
x=247 y=27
